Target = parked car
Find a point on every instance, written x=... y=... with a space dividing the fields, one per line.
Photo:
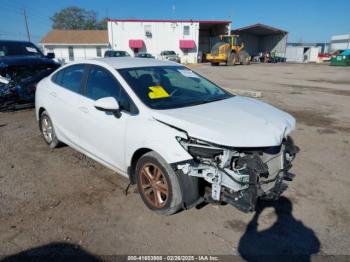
x=144 y=55
x=114 y=53
x=22 y=66
x=170 y=55
x=181 y=138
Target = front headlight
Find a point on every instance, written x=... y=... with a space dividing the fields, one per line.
x=197 y=149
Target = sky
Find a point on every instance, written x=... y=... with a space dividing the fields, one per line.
x=305 y=20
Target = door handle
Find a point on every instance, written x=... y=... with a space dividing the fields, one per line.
x=84 y=109
x=54 y=94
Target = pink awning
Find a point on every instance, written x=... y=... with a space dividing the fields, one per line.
x=187 y=44
x=135 y=43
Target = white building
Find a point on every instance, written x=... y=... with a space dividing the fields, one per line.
x=188 y=38
x=302 y=54
x=340 y=42
x=72 y=45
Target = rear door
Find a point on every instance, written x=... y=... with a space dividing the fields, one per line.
x=103 y=134
x=65 y=98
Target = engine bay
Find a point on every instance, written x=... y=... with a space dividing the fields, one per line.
x=239 y=176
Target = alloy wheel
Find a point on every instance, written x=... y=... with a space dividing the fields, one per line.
x=47 y=129
x=154 y=185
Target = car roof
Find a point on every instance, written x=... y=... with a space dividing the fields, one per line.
x=15 y=41
x=129 y=62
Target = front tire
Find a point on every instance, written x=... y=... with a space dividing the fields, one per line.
x=47 y=130
x=158 y=184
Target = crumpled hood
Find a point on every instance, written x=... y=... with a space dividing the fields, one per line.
x=237 y=122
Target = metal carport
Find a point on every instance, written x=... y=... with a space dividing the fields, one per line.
x=262 y=38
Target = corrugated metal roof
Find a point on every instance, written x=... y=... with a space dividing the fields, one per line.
x=76 y=37
x=259 y=29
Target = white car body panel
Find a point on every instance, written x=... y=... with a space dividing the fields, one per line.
x=235 y=122
x=112 y=141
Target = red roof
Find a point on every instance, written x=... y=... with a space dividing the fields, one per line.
x=172 y=21
x=187 y=44
x=135 y=43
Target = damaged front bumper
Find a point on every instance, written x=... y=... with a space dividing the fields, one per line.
x=240 y=176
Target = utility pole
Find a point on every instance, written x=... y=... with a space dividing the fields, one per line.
x=26 y=22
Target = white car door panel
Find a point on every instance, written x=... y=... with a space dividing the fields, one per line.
x=65 y=94
x=101 y=133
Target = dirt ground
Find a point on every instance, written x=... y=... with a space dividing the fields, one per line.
x=59 y=195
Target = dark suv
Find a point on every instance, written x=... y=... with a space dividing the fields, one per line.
x=22 y=66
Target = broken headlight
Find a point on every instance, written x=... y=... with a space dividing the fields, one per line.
x=198 y=149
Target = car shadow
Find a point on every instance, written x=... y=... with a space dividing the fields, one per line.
x=288 y=239
x=53 y=252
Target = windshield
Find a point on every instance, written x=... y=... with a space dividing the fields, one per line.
x=217 y=45
x=18 y=49
x=169 y=53
x=167 y=87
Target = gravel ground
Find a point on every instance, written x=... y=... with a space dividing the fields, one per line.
x=60 y=196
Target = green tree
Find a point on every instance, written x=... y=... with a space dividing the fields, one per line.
x=102 y=24
x=76 y=18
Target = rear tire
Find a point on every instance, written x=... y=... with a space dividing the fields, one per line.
x=232 y=59
x=244 y=58
x=158 y=184
x=47 y=130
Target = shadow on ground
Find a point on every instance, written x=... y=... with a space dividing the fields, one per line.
x=286 y=240
x=54 y=252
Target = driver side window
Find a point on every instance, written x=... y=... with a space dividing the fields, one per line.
x=101 y=83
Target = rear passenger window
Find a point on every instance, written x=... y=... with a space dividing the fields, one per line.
x=72 y=77
x=57 y=78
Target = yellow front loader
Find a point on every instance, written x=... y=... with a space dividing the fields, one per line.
x=229 y=51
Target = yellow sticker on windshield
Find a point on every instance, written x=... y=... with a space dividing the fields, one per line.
x=157 y=92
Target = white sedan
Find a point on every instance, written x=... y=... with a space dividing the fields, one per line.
x=181 y=138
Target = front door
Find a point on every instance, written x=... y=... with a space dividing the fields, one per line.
x=103 y=134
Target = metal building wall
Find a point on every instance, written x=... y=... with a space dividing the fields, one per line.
x=295 y=54
x=255 y=44
x=340 y=42
x=251 y=43
x=274 y=43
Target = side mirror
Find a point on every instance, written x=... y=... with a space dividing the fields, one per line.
x=50 y=55
x=108 y=104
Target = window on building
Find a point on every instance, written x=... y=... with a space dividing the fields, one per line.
x=148 y=30
x=98 y=51
x=186 y=30
x=70 y=53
